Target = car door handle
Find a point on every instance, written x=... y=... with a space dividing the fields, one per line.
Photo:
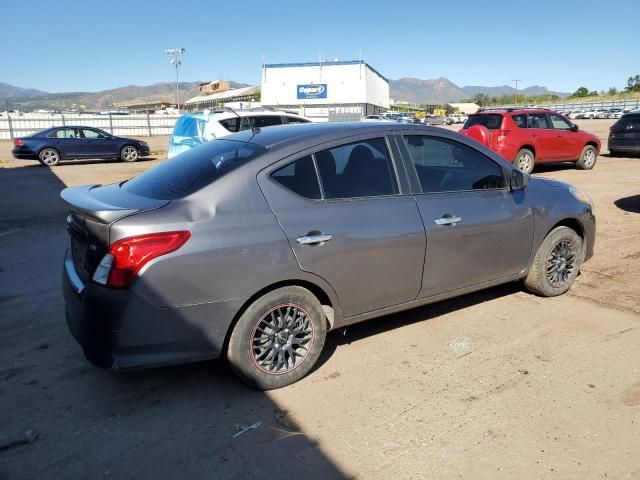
x=314 y=239
x=447 y=220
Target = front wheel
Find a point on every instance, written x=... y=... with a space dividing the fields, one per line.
x=129 y=154
x=587 y=159
x=278 y=339
x=524 y=160
x=49 y=157
x=556 y=264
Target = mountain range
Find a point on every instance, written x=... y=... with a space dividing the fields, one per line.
x=414 y=90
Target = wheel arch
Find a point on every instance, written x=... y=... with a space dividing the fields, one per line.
x=528 y=147
x=323 y=297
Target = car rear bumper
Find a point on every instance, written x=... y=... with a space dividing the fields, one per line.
x=118 y=329
x=624 y=146
x=24 y=153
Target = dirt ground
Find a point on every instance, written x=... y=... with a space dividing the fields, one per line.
x=497 y=384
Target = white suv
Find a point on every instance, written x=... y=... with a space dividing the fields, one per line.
x=194 y=129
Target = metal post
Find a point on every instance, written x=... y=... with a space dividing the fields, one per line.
x=63 y=122
x=10 y=126
x=148 y=122
x=110 y=124
x=177 y=90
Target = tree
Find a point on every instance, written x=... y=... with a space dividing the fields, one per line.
x=581 y=92
x=633 y=84
x=612 y=91
x=481 y=99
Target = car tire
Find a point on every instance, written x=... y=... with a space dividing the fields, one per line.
x=525 y=160
x=587 y=158
x=129 y=153
x=49 y=157
x=278 y=339
x=556 y=264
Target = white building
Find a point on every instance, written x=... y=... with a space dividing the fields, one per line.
x=321 y=91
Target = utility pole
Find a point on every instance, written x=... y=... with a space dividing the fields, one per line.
x=175 y=54
x=516 y=81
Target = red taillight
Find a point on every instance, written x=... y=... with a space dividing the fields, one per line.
x=18 y=142
x=132 y=253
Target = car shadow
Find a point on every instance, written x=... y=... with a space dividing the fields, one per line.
x=554 y=167
x=629 y=204
x=170 y=423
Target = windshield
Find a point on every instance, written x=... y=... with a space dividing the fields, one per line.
x=192 y=170
x=492 y=121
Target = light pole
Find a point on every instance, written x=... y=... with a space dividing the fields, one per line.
x=175 y=54
x=516 y=81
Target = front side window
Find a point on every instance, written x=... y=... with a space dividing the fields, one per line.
x=360 y=169
x=559 y=123
x=538 y=120
x=520 y=120
x=89 y=133
x=445 y=165
x=262 y=121
x=299 y=177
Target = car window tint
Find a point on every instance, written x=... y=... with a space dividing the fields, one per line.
x=193 y=169
x=492 y=121
x=91 y=133
x=559 y=123
x=66 y=133
x=537 y=120
x=445 y=165
x=236 y=124
x=261 y=121
x=299 y=177
x=520 y=120
x=360 y=169
x=297 y=120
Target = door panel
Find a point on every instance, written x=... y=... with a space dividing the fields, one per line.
x=543 y=138
x=68 y=142
x=96 y=145
x=566 y=144
x=369 y=247
x=491 y=240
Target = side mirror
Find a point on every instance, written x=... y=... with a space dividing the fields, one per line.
x=574 y=127
x=519 y=180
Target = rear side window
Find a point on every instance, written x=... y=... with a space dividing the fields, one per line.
x=493 y=121
x=445 y=165
x=297 y=120
x=236 y=124
x=299 y=177
x=65 y=133
x=267 y=120
x=360 y=169
x=193 y=169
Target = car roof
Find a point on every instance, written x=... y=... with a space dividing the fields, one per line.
x=280 y=136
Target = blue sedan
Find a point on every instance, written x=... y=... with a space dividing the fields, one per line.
x=63 y=143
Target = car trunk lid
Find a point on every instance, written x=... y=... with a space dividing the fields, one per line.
x=94 y=208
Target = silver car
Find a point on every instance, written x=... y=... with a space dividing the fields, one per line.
x=255 y=246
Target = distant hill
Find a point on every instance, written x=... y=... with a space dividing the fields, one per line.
x=507 y=90
x=438 y=90
x=30 y=99
x=11 y=91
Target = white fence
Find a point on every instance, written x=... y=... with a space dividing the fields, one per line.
x=136 y=125
x=587 y=104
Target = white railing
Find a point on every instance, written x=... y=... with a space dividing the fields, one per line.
x=136 y=125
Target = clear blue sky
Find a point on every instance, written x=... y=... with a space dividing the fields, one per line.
x=86 y=46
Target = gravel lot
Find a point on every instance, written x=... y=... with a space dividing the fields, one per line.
x=497 y=384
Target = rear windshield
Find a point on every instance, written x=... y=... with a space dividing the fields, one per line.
x=493 y=121
x=189 y=126
x=192 y=170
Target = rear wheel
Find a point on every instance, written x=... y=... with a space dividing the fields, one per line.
x=587 y=159
x=129 y=154
x=525 y=159
x=278 y=339
x=49 y=157
x=556 y=264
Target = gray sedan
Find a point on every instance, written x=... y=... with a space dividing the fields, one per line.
x=253 y=247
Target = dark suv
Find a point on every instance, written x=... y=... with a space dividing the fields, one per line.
x=624 y=135
x=527 y=137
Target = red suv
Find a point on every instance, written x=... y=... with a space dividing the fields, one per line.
x=527 y=136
